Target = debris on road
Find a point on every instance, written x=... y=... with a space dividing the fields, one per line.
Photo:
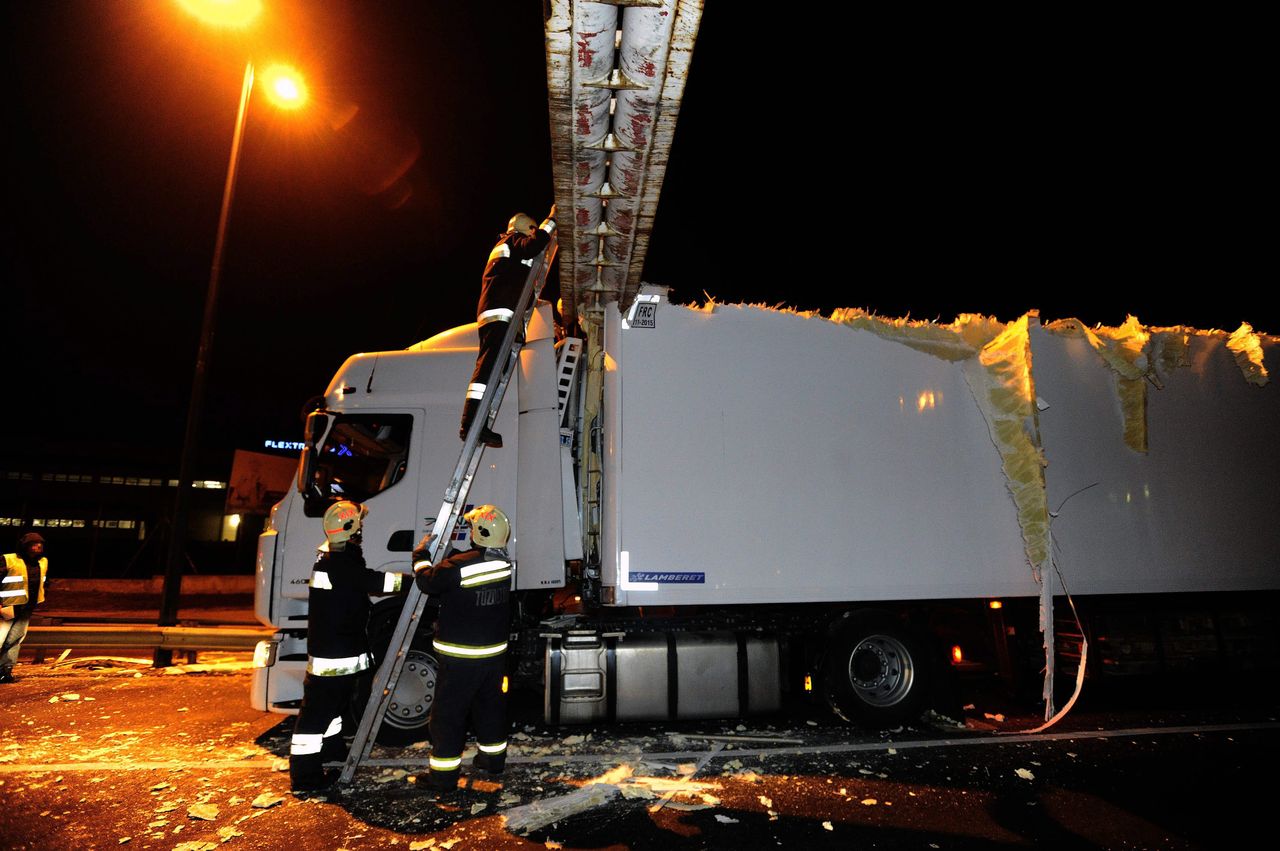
x=204 y=812
x=539 y=814
x=1025 y=774
x=267 y=800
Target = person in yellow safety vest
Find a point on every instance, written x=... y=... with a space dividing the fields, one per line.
x=473 y=589
x=337 y=645
x=500 y=287
x=21 y=590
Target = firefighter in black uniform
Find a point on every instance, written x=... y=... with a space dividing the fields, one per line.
x=473 y=589
x=500 y=288
x=337 y=644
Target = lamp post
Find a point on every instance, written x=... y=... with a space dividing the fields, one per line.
x=286 y=89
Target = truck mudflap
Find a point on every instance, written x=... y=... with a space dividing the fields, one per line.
x=594 y=676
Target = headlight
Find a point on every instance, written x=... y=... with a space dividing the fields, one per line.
x=264 y=655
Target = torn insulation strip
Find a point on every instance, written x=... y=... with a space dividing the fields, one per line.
x=1246 y=346
x=1125 y=351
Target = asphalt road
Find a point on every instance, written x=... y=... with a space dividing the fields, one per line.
x=115 y=754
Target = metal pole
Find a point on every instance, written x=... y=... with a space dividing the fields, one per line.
x=181 y=507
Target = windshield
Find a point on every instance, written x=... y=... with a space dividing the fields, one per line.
x=363 y=455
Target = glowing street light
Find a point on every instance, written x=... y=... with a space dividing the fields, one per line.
x=229 y=14
x=285 y=88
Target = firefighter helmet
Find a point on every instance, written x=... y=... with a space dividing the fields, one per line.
x=342 y=521
x=521 y=223
x=489 y=526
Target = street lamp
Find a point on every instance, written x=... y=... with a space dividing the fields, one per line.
x=285 y=88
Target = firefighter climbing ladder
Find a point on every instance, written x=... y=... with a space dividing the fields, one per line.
x=455 y=498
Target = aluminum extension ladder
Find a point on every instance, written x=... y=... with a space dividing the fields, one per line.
x=455 y=498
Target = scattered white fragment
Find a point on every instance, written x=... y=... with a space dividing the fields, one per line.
x=195 y=845
x=1025 y=774
x=280 y=764
x=724 y=819
x=685 y=769
x=865 y=771
x=1033 y=762
x=480 y=807
x=766 y=802
x=122 y=840
x=70 y=696
x=868 y=802
x=892 y=751
x=161 y=785
x=167 y=807
x=449 y=843
x=204 y=812
x=539 y=814
x=182 y=709
x=228 y=833
x=812 y=723
x=632 y=792
x=572 y=740
x=826 y=825
x=422 y=846
x=1072 y=755
x=266 y=799
x=740 y=728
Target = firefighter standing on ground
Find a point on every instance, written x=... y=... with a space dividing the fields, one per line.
x=21 y=590
x=473 y=589
x=337 y=644
x=500 y=287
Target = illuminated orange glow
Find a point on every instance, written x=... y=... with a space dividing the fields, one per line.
x=285 y=87
x=927 y=399
x=996 y=604
x=957 y=655
x=233 y=14
x=808 y=683
x=505 y=685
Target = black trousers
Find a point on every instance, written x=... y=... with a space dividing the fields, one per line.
x=317 y=734
x=467 y=687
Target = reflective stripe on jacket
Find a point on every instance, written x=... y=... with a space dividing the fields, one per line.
x=14 y=585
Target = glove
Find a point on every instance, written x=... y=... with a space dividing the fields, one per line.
x=422 y=552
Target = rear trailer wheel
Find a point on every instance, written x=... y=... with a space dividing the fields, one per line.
x=877 y=671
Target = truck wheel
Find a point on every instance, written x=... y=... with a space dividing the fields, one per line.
x=876 y=672
x=405 y=721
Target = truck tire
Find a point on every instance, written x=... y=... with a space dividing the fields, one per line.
x=405 y=721
x=877 y=671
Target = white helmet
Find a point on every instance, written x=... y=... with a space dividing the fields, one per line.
x=489 y=526
x=342 y=522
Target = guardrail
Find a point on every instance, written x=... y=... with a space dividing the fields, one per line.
x=147 y=635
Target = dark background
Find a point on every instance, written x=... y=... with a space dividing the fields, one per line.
x=1088 y=165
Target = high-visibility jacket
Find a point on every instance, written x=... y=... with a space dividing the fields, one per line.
x=506 y=271
x=338 y=611
x=14 y=587
x=473 y=588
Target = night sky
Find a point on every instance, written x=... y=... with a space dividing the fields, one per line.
x=1088 y=167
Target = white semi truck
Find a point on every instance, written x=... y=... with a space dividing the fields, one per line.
x=713 y=507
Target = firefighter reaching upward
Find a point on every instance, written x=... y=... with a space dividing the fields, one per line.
x=337 y=644
x=500 y=288
x=472 y=588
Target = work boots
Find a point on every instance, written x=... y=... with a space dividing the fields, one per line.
x=489 y=438
x=491 y=764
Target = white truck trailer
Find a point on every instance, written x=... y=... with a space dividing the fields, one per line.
x=714 y=506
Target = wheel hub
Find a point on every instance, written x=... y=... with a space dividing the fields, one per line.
x=880 y=670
